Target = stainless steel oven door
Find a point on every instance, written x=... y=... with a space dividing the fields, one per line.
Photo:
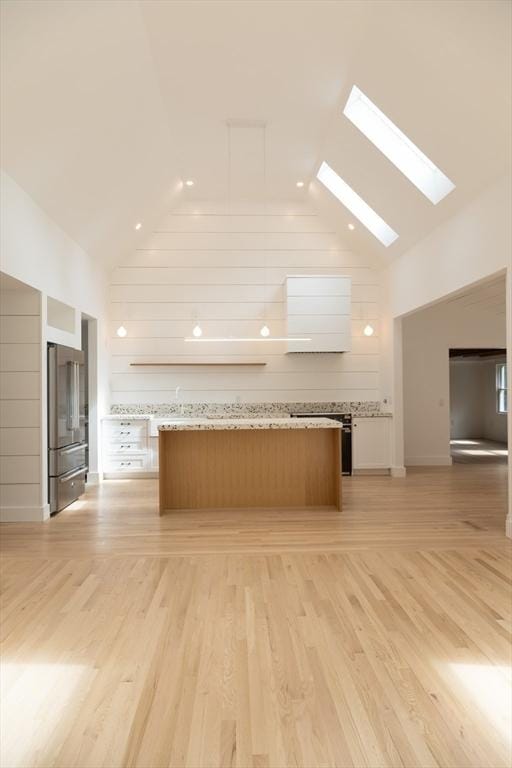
x=66 y=459
x=66 y=489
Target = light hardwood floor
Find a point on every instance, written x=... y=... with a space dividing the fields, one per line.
x=374 y=637
x=479 y=451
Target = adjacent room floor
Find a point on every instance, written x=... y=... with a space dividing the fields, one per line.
x=479 y=451
x=374 y=637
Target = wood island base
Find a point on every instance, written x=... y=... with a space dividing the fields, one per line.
x=249 y=468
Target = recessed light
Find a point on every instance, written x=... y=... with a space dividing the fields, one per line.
x=264 y=331
x=369 y=330
x=121 y=331
x=300 y=184
x=138 y=226
x=356 y=205
x=351 y=227
x=396 y=146
x=189 y=183
x=198 y=331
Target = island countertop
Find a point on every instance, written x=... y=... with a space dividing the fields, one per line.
x=254 y=423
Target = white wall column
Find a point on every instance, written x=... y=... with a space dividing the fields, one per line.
x=508 y=525
x=94 y=420
x=397 y=426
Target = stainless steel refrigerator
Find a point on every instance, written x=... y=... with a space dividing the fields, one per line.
x=67 y=426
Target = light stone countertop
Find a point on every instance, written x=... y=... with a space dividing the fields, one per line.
x=171 y=417
x=127 y=416
x=254 y=423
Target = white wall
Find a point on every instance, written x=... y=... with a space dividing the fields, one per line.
x=227 y=269
x=37 y=252
x=428 y=336
x=469 y=247
x=466 y=405
x=20 y=406
x=473 y=401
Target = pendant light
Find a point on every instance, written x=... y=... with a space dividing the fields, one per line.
x=368 y=330
x=121 y=330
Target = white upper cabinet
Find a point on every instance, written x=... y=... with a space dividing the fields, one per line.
x=318 y=307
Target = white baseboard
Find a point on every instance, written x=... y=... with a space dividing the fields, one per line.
x=93 y=478
x=428 y=461
x=398 y=472
x=24 y=514
x=371 y=471
x=508 y=526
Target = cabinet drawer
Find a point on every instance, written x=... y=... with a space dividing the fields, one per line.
x=134 y=446
x=125 y=431
x=125 y=464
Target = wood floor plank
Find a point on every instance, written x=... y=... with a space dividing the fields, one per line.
x=368 y=638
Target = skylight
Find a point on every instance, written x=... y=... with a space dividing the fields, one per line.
x=400 y=150
x=356 y=205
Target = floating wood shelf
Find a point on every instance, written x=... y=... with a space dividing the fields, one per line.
x=172 y=365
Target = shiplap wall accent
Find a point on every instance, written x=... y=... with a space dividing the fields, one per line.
x=226 y=269
x=20 y=406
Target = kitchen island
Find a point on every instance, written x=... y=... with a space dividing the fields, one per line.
x=238 y=462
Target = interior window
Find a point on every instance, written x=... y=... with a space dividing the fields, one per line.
x=501 y=388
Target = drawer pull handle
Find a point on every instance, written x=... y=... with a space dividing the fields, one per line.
x=73 y=450
x=71 y=475
x=125 y=423
x=125 y=433
x=126 y=463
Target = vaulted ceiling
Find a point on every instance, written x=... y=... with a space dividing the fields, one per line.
x=108 y=106
x=489 y=296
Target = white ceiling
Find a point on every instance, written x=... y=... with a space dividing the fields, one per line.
x=8 y=283
x=487 y=296
x=108 y=105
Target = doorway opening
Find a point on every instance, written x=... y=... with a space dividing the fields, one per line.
x=478 y=406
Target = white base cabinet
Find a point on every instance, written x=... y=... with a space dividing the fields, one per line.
x=371 y=443
x=153 y=454
x=126 y=448
x=129 y=450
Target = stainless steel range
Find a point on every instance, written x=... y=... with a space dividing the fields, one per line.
x=67 y=446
